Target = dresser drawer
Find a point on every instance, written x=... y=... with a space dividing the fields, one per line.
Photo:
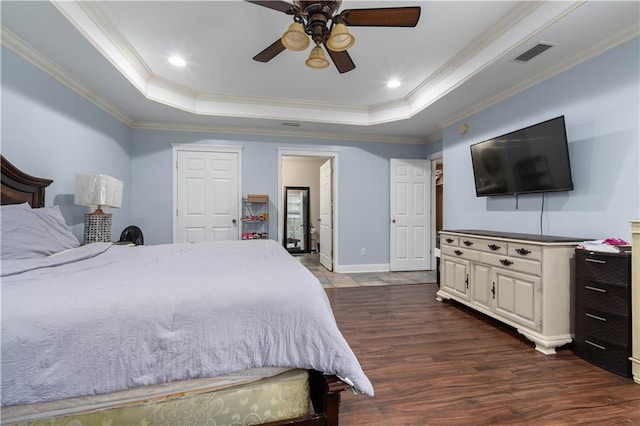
x=449 y=240
x=459 y=252
x=609 y=356
x=531 y=267
x=612 y=269
x=490 y=246
x=603 y=297
x=525 y=251
x=603 y=325
x=472 y=243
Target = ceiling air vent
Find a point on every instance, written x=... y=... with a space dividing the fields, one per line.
x=533 y=52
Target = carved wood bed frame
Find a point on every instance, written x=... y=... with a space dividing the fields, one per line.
x=18 y=187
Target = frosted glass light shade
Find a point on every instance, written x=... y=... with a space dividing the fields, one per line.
x=317 y=59
x=340 y=39
x=295 y=38
x=98 y=191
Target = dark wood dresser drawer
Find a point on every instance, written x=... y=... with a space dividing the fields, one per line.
x=603 y=325
x=611 y=357
x=610 y=268
x=604 y=297
x=603 y=310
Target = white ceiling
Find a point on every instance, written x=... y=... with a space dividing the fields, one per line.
x=456 y=61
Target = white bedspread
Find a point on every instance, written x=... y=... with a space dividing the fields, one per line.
x=144 y=315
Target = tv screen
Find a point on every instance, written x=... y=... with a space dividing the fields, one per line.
x=533 y=159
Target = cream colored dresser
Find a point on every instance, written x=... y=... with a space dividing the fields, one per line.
x=522 y=280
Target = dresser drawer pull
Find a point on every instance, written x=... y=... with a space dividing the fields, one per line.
x=506 y=262
x=596 y=317
x=493 y=247
x=523 y=251
x=467 y=243
x=589 y=342
x=588 y=259
x=458 y=252
x=601 y=290
x=449 y=240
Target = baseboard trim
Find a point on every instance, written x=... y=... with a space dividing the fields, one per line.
x=354 y=269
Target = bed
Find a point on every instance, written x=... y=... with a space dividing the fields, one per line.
x=234 y=332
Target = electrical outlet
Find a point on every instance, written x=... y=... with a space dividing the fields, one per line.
x=363 y=252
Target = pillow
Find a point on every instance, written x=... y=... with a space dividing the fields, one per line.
x=31 y=233
x=23 y=206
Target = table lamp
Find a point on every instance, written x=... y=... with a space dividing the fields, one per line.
x=97 y=191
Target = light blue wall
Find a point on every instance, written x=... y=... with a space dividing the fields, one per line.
x=434 y=147
x=600 y=101
x=49 y=131
x=363 y=185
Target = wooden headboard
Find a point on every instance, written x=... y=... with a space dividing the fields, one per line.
x=19 y=187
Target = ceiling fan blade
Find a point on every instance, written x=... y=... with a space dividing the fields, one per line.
x=270 y=52
x=382 y=17
x=280 y=6
x=342 y=60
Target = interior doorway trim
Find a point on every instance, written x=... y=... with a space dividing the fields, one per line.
x=435 y=158
x=312 y=152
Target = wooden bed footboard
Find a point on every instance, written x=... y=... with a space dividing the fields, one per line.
x=325 y=397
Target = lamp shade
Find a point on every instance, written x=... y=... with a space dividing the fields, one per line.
x=98 y=191
x=340 y=38
x=295 y=38
x=317 y=59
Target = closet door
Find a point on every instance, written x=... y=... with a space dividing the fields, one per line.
x=207 y=196
x=410 y=222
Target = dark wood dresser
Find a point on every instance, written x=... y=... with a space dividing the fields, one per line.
x=603 y=310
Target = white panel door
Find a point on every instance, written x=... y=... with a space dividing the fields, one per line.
x=410 y=225
x=207 y=196
x=326 y=216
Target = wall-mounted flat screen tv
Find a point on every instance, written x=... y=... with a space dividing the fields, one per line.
x=529 y=160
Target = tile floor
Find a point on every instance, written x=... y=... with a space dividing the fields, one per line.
x=332 y=280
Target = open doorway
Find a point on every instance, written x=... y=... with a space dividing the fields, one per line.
x=301 y=168
x=297 y=227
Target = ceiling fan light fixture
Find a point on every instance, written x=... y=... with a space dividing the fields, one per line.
x=295 y=38
x=340 y=38
x=317 y=59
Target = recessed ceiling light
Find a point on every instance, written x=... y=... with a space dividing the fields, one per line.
x=177 y=61
x=393 y=83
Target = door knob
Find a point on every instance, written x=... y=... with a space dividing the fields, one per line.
x=393 y=221
x=233 y=221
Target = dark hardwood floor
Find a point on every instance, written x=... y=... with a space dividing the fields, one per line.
x=434 y=363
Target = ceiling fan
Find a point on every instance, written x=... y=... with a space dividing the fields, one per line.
x=320 y=21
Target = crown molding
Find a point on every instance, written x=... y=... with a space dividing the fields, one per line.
x=34 y=57
x=514 y=17
x=93 y=11
x=333 y=136
x=611 y=42
x=93 y=23
x=526 y=19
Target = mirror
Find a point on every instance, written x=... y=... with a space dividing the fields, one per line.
x=296 y=223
